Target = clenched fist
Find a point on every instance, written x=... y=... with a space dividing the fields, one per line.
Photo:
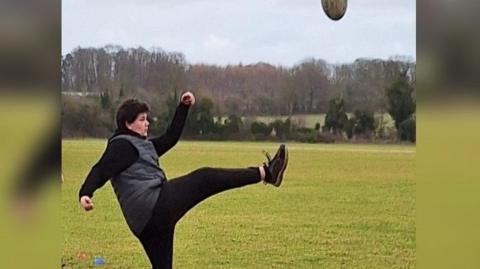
x=86 y=203
x=187 y=99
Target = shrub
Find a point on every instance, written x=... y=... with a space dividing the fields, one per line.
x=362 y=123
x=282 y=128
x=336 y=117
x=407 y=130
x=260 y=128
x=232 y=124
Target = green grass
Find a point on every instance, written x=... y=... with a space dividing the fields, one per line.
x=341 y=206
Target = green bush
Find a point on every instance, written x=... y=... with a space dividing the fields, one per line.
x=336 y=118
x=260 y=128
x=407 y=130
x=401 y=104
x=85 y=118
x=362 y=123
x=232 y=124
x=282 y=128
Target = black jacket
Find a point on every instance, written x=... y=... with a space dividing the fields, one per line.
x=120 y=154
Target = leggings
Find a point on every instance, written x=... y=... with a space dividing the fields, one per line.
x=179 y=195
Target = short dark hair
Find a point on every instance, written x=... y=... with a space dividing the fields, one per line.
x=128 y=112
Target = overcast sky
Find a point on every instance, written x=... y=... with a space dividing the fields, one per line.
x=279 y=32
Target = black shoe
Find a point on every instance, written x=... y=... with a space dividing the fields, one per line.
x=276 y=166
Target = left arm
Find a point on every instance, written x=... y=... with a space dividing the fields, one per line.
x=165 y=142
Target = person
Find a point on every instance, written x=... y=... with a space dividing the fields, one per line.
x=151 y=204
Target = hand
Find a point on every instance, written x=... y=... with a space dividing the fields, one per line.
x=187 y=99
x=86 y=203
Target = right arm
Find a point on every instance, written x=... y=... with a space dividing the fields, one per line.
x=165 y=142
x=118 y=156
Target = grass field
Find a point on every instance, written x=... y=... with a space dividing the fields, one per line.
x=341 y=206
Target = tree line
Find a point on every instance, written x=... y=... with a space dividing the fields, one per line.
x=105 y=76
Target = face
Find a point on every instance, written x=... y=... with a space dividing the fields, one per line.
x=140 y=125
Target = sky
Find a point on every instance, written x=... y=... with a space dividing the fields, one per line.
x=279 y=32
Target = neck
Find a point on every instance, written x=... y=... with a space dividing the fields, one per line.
x=128 y=132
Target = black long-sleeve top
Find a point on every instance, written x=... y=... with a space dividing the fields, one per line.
x=120 y=154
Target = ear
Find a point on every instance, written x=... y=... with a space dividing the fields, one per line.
x=128 y=125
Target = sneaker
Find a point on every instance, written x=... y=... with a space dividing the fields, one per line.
x=276 y=166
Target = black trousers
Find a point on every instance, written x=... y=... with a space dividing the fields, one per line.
x=179 y=195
